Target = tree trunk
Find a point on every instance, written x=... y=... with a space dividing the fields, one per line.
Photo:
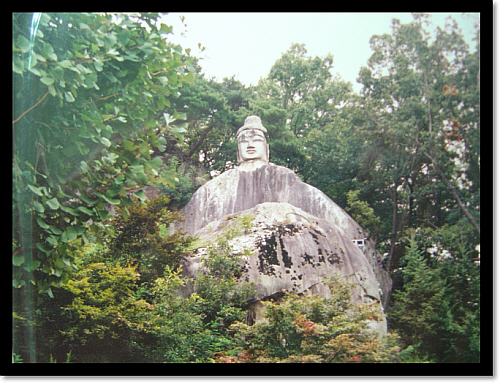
x=198 y=143
x=394 y=225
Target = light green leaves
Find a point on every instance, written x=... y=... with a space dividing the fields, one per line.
x=17 y=260
x=38 y=207
x=53 y=203
x=69 y=97
x=47 y=80
x=23 y=44
x=141 y=195
x=86 y=211
x=105 y=142
x=35 y=190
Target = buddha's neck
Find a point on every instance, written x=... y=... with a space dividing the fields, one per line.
x=250 y=165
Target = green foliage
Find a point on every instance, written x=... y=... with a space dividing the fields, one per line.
x=184 y=184
x=224 y=296
x=419 y=114
x=141 y=236
x=312 y=329
x=192 y=328
x=362 y=212
x=103 y=317
x=437 y=309
x=416 y=309
x=87 y=89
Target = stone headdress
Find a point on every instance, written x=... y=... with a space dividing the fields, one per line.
x=252 y=122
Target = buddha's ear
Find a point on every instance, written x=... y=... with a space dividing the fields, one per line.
x=238 y=156
x=267 y=152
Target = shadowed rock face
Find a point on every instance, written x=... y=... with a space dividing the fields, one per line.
x=299 y=235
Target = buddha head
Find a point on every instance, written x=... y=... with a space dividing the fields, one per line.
x=252 y=143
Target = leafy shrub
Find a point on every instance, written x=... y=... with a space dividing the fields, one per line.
x=196 y=328
x=312 y=329
x=142 y=237
x=104 y=316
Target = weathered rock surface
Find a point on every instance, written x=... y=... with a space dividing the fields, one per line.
x=237 y=190
x=292 y=251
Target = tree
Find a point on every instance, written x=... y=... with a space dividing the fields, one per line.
x=412 y=85
x=416 y=308
x=214 y=113
x=436 y=308
x=143 y=239
x=87 y=88
x=305 y=110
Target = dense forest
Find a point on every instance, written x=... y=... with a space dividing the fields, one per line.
x=114 y=128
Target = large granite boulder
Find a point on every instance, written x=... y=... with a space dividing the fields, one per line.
x=279 y=198
x=299 y=236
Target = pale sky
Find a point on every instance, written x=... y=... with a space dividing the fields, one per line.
x=248 y=44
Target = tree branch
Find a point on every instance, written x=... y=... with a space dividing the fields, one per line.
x=34 y=106
x=198 y=143
x=455 y=194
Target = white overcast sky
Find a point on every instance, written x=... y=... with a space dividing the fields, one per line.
x=248 y=44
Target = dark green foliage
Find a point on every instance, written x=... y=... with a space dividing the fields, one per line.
x=84 y=125
x=437 y=309
x=142 y=237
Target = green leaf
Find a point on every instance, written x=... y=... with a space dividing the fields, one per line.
x=65 y=64
x=36 y=190
x=42 y=224
x=55 y=230
x=144 y=150
x=189 y=78
x=156 y=163
x=105 y=142
x=168 y=118
x=85 y=168
x=41 y=248
x=64 y=237
x=69 y=97
x=68 y=210
x=23 y=44
x=38 y=207
x=71 y=233
x=18 y=283
x=66 y=262
x=140 y=194
x=128 y=145
x=17 y=260
x=52 y=240
x=86 y=211
x=111 y=200
x=178 y=49
x=53 y=203
x=18 y=65
x=47 y=80
x=34 y=265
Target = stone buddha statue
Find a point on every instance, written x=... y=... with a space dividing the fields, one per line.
x=299 y=235
x=253 y=150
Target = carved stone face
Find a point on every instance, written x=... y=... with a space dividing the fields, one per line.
x=252 y=145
